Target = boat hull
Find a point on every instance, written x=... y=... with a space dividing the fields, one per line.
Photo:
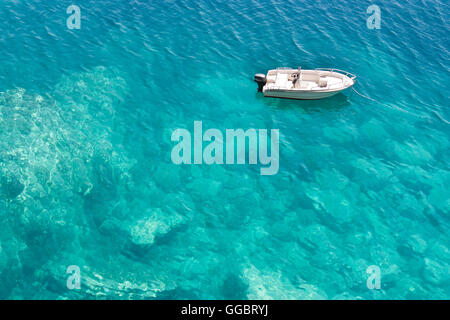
x=299 y=95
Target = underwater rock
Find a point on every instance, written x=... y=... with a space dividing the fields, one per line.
x=410 y=288
x=3 y=259
x=265 y=285
x=310 y=292
x=440 y=198
x=417 y=244
x=112 y=227
x=53 y=148
x=408 y=152
x=10 y=186
x=234 y=288
x=167 y=176
x=204 y=188
x=334 y=203
x=331 y=179
x=343 y=134
x=374 y=130
x=372 y=173
x=144 y=231
x=436 y=272
x=180 y=203
x=346 y=296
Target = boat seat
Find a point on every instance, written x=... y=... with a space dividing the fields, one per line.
x=281 y=80
x=323 y=83
x=302 y=84
x=306 y=76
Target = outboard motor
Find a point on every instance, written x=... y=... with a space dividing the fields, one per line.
x=261 y=80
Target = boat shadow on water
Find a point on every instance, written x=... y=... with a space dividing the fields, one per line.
x=334 y=103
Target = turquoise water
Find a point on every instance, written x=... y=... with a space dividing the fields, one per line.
x=86 y=176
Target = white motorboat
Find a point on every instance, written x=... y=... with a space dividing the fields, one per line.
x=304 y=84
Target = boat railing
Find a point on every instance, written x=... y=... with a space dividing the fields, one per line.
x=348 y=74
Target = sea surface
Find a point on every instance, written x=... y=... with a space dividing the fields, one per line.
x=86 y=177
